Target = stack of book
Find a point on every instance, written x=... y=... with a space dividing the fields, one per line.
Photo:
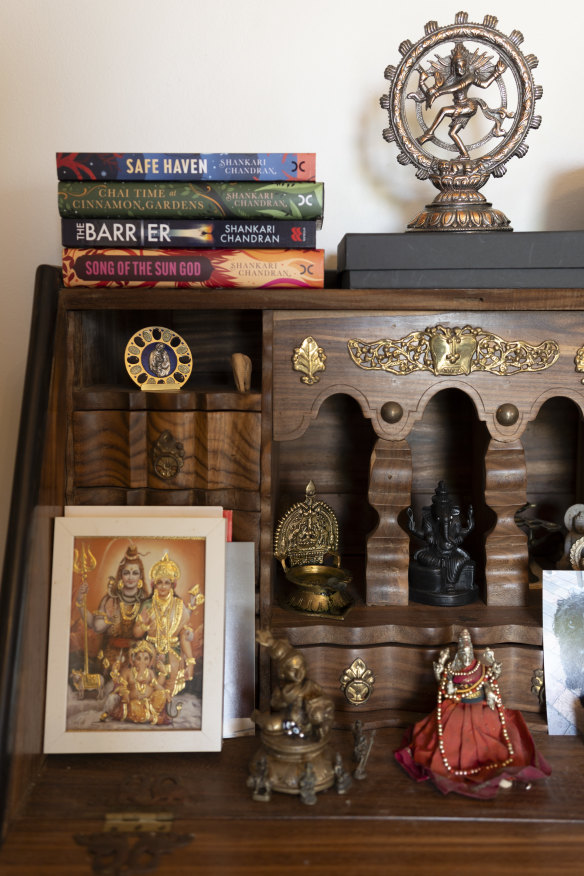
x=190 y=220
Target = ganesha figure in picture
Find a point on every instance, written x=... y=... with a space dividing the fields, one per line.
x=471 y=744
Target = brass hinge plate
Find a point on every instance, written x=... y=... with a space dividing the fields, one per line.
x=138 y=822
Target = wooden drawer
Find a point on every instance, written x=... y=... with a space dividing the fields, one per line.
x=404 y=678
x=167 y=450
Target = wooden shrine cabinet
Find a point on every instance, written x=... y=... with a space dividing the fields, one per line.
x=480 y=388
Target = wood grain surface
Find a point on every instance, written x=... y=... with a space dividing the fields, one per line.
x=385 y=824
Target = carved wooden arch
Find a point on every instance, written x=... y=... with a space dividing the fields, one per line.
x=293 y=424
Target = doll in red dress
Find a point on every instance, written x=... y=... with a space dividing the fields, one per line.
x=470 y=743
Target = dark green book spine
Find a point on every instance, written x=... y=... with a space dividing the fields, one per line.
x=205 y=200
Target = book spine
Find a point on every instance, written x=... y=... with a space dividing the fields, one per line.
x=185 y=200
x=199 y=233
x=193 y=269
x=187 y=166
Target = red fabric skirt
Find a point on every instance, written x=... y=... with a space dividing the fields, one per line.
x=473 y=738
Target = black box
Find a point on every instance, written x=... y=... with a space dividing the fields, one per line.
x=453 y=260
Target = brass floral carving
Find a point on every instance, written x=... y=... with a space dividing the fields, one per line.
x=309 y=359
x=357 y=682
x=452 y=351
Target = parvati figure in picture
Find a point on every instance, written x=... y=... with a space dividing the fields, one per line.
x=164 y=621
x=471 y=744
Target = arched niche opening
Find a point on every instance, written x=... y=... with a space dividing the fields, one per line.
x=449 y=444
x=334 y=452
x=553 y=446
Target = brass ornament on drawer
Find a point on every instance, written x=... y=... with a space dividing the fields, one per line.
x=309 y=359
x=357 y=682
x=452 y=351
x=167 y=456
x=538 y=685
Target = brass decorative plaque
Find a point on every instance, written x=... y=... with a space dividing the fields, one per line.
x=309 y=359
x=452 y=351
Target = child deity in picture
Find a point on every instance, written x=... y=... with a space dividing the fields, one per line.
x=471 y=744
x=141 y=698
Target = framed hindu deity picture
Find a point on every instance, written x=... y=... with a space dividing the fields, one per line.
x=136 y=638
x=563 y=646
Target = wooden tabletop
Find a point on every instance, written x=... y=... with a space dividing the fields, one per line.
x=384 y=824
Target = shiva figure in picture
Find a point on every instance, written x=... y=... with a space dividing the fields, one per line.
x=136 y=640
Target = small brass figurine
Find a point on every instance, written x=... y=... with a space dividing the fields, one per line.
x=259 y=782
x=433 y=88
x=294 y=757
x=441 y=573
x=362 y=745
x=306 y=544
x=306 y=784
x=471 y=744
x=343 y=780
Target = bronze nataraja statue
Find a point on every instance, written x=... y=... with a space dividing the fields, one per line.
x=479 y=144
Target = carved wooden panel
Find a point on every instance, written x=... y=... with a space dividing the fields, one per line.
x=520 y=358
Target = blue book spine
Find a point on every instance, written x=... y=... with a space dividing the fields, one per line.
x=274 y=166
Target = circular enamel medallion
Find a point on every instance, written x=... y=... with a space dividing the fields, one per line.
x=157 y=358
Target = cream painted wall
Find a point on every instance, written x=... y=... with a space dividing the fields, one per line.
x=259 y=75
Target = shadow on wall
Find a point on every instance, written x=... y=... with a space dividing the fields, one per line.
x=379 y=168
x=564 y=202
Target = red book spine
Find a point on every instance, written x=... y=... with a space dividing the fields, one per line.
x=193 y=269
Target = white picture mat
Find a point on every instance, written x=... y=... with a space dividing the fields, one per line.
x=60 y=741
x=565 y=713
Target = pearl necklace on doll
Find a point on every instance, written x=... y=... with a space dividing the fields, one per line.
x=448 y=690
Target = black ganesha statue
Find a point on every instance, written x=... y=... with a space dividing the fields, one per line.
x=441 y=572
